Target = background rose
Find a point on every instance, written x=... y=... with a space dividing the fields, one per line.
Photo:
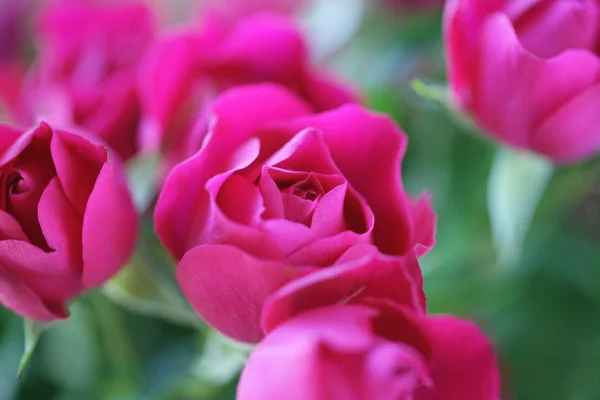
x=278 y=191
x=66 y=219
x=374 y=351
x=86 y=67
x=529 y=72
x=188 y=67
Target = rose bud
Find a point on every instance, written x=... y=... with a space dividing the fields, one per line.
x=87 y=66
x=528 y=72
x=66 y=218
x=372 y=351
x=188 y=67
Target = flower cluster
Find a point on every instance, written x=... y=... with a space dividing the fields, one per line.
x=281 y=194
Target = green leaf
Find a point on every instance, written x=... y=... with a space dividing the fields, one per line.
x=515 y=187
x=139 y=288
x=221 y=360
x=32 y=331
x=142 y=175
x=439 y=94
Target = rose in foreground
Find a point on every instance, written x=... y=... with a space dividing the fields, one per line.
x=278 y=192
x=528 y=72
x=67 y=221
x=187 y=68
x=372 y=351
x=87 y=66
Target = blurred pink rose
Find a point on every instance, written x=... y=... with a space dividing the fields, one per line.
x=277 y=192
x=13 y=34
x=87 y=66
x=237 y=9
x=372 y=351
x=187 y=68
x=67 y=221
x=529 y=72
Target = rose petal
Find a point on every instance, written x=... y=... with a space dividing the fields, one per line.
x=78 y=163
x=361 y=272
x=463 y=365
x=8 y=135
x=368 y=149
x=109 y=226
x=573 y=132
x=237 y=115
x=19 y=298
x=511 y=80
x=227 y=287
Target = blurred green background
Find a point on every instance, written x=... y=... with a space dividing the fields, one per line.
x=542 y=314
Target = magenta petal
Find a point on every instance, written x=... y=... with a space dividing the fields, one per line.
x=424 y=222
x=308 y=152
x=288 y=235
x=19 y=298
x=264 y=48
x=109 y=227
x=10 y=228
x=227 y=287
x=326 y=251
x=77 y=164
x=237 y=115
x=240 y=200
x=271 y=195
x=368 y=149
x=516 y=91
x=463 y=365
x=325 y=93
x=362 y=271
x=573 y=132
x=165 y=86
x=8 y=135
x=328 y=217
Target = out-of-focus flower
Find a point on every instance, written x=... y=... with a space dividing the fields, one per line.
x=372 y=351
x=13 y=34
x=186 y=69
x=277 y=192
x=528 y=72
x=67 y=221
x=236 y=9
x=87 y=66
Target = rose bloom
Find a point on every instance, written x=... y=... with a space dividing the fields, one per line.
x=278 y=191
x=67 y=221
x=13 y=23
x=87 y=65
x=188 y=67
x=376 y=350
x=528 y=72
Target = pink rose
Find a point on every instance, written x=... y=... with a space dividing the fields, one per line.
x=236 y=9
x=278 y=192
x=87 y=66
x=529 y=72
x=188 y=68
x=372 y=351
x=67 y=221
